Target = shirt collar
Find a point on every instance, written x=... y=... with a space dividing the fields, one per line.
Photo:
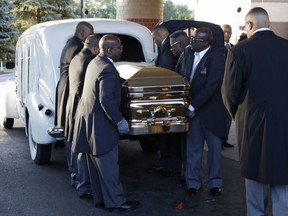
x=261 y=29
x=163 y=41
x=110 y=60
x=203 y=52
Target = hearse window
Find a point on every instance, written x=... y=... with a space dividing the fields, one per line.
x=132 y=49
x=28 y=66
x=21 y=73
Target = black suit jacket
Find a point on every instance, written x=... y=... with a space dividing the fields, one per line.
x=205 y=89
x=77 y=71
x=99 y=108
x=72 y=48
x=255 y=93
x=165 y=57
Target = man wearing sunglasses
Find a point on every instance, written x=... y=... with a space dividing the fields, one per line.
x=98 y=123
x=179 y=40
x=204 y=66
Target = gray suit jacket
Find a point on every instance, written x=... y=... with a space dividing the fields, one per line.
x=99 y=108
x=77 y=71
x=72 y=48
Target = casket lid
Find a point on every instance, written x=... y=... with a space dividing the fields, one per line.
x=144 y=76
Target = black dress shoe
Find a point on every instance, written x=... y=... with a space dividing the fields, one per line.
x=128 y=205
x=99 y=205
x=193 y=191
x=167 y=173
x=156 y=169
x=227 y=145
x=215 y=191
x=182 y=182
x=85 y=195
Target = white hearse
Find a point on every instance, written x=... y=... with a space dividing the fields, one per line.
x=149 y=111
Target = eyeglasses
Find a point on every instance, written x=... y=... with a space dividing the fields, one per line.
x=118 y=47
x=174 y=44
x=194 y=40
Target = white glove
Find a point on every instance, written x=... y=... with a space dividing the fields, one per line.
x=190 y=111
x=123 y=126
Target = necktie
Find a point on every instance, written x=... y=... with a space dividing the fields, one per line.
x=227 y=46
x=195 y=64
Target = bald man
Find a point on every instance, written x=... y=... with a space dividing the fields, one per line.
x=227 y=30
x=77 y=70
x=254 y=91
x=205 y=63
x=73 y=46
x=169 y=163
x=99 y=122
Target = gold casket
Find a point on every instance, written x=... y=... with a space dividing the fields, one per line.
x=154 y=100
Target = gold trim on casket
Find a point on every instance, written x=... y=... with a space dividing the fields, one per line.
x=155 y=101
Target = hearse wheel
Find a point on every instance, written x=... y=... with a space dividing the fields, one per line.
x=40 y=154
x=8 y=123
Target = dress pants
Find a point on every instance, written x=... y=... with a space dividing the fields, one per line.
x=257 y=198
x=71 y=159
x=170 y=152
x=104 y=177
x=196 y=137
x=229 y=122
x=78 y=168
x=82 y=180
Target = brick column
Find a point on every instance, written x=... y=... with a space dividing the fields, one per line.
x=147 y=13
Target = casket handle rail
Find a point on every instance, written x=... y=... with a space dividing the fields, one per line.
x=162 y=109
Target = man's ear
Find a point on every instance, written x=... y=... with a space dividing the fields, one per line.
x=251 y=24
x=109 y=51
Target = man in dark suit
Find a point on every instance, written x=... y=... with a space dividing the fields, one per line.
x=179 y=40
x=72 y=48
x=206 y=112
x=255 y=93
x=165 y=57
x=98 y=123
x=170 y=152
x=77 y=70
x=227 y=30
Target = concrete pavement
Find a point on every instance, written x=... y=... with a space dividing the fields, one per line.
x=28 y=189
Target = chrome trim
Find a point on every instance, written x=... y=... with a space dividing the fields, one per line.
x=56 y=132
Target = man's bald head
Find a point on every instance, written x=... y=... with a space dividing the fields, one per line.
x=256 y=18
x=108 y=41
x=110 y=46
x=83 y=30
x=159 y=33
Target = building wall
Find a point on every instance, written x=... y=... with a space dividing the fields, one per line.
x=277 y=10
x=148 y=12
